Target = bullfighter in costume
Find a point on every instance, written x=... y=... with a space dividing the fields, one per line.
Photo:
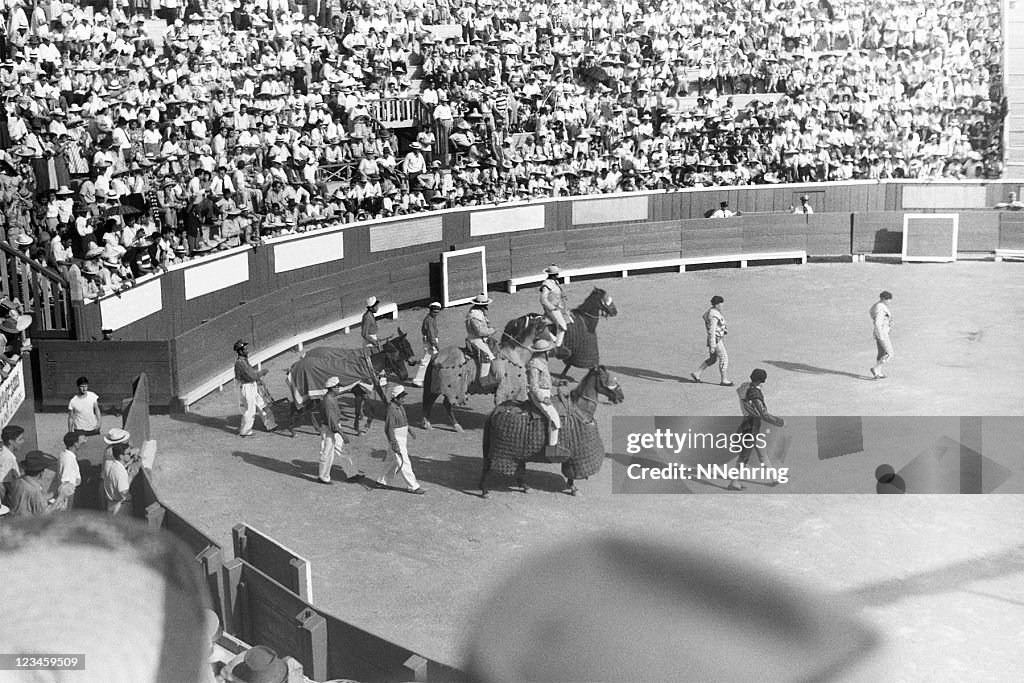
x=755 y=412
x=714 y=323
x=881 y=317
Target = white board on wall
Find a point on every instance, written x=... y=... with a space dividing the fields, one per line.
x=309 y=251
x=506 y=220
x=131 y=305
x=944 y=197
x=397 y=235
x=216 y=275
x=611 y=210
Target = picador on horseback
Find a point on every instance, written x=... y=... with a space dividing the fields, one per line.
x=538 y=380
x=552 y=300
x=478 y=331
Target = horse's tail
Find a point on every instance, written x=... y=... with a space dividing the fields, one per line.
x=428 y=383
x=487 y=440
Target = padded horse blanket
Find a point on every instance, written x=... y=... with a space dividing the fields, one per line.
x=517 y=432
x=453 y=371
x=582 y=342
x=309 y=374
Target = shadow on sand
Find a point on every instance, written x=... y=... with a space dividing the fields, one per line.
x=813 y=370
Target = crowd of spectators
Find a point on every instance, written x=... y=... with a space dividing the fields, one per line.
x=124 y=150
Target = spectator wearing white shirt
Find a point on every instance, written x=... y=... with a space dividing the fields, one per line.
x=84 y=410
x=69 y=475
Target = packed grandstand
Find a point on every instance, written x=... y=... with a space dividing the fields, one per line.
x=128 y=145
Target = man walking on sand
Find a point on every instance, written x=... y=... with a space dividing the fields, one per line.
x=881 y=318
x=332 y=441
x=714 y=323
x=397 y=467
x=755 y=413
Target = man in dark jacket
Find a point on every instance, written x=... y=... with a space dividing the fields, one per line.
x=754 y=413
x=431 y=342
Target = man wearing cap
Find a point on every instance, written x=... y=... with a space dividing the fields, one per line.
x=881 y=319
x=804 y=206
x=538 y=382
x=247 y=383
x=397 y=467
x=369 y=325
x=431 y=342
x=332 y=441
x=553 y=302
x=714 y=323
x=27 y=495
x=119 y=469
x=754 y=413
x=478 y=331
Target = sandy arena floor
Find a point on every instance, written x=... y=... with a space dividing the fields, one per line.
x=941 y=576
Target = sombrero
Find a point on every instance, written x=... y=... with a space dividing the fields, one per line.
x=12 y=325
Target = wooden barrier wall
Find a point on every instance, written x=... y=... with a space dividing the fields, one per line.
x=192 y=314
x=260 y=611
x=110 y=366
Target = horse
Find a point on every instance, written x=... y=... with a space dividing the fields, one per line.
x=517 y=433
x=452 y=373
x=581 y=336
x=358 y=369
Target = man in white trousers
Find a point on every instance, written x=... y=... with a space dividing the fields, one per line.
x=431 y=343
x=397 y=467
x=247 y=382
x=332 y=441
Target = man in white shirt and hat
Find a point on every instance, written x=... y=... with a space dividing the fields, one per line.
x=397 y=467
x=332 y=441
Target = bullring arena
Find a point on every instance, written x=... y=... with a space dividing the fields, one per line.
x=933 y=576
x=890 y=552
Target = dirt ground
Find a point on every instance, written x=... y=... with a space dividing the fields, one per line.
x=941 y=577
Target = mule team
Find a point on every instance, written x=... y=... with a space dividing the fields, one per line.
x=536 y=419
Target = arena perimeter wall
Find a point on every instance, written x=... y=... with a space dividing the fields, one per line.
x=178 y=326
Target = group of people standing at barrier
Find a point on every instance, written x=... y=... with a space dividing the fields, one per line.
x=42 y=484
x=123 y=152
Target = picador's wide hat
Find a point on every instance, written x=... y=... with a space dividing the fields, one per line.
x=542 y=346
x=552 y=269
x=481 y=300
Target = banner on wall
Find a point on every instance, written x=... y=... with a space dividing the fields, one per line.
x=12 y=394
